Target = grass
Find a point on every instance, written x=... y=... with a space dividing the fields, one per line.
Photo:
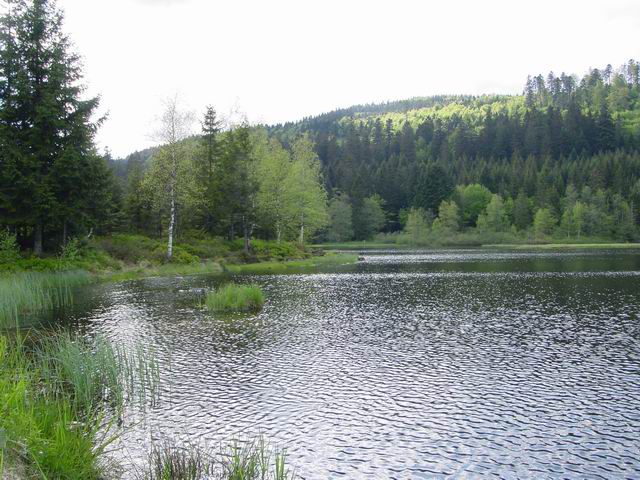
x=249 y=461
x=164 y=270
x=559 y=246
x=331 y=259
x=32 y=293
x=55 y=395
x=235 y=298
x=356 y=245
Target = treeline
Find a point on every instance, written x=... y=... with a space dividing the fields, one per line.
x=565 y=151
x=55 y=186
x=562 y=133
x=232 y=183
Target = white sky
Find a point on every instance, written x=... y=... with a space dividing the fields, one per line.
x=283 y=60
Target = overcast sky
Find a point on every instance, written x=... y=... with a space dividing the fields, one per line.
x=283 y=60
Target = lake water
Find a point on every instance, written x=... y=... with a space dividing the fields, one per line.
x=409 y=364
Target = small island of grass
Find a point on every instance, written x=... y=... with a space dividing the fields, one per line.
x=235 y=298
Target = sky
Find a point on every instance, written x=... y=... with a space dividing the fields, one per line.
x=277 y=61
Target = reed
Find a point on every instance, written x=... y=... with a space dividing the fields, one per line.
x=60 y=396
x=235 y=298
x=31 y=293
x=254 y=460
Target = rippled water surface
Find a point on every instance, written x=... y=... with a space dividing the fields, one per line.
x=406 y=365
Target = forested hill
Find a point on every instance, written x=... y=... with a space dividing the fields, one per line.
x=563 y=130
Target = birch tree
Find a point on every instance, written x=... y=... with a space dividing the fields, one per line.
x=307 y=206
x=174 y=128
x=273 y=165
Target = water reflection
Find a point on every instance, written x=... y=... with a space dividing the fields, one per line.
x=411 y=365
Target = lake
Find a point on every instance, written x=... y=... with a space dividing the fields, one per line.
x=409 y=364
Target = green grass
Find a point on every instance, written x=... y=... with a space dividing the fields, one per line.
x=312 y=263
x=249 y=461
x=55 y=395
x=357 y=245
x=559 y=246
x=235 y=298
x=32 y=293
x=165 y=270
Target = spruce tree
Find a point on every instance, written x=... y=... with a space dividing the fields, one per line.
x=46 y=131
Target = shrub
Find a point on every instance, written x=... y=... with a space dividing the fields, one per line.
x=9 y=249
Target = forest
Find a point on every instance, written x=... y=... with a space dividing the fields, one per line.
x=558 y=162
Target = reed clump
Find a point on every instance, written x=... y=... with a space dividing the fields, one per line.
x=60 y=396
x=235 y=298
x=31 y=293
x=255 y=460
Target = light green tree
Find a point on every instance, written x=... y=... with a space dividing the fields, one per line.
x=543 y=223
x=274 y=191
x=306 y=208
x=371 y=216
x=473 y=200
x=448 y=217
x=417 y=226
x=341 y=225
x=494 y=218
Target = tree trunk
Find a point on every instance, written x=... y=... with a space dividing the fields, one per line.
x=64 y=232
x=302 y=229
x=172 y=221
x=37 y=239
x=245 y=227
x=278 y=232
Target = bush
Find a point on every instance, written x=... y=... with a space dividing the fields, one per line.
x=9 y=249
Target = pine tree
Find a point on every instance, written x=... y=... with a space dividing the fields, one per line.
x=46 y=131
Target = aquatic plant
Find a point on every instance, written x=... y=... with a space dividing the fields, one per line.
x=29 y=293
x=168 y=462
x=235 y=298
x=254 y=460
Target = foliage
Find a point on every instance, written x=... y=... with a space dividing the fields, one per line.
x=254 y=460
x=9 y=249
x=369 y=217
x=341 y=219
x=543 y=223
x=235 y=298
x=54 y=393
x=51 y=181
x=27 y=294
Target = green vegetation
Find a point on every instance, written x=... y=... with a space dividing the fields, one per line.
x=235 y=298
x=249 y=461
x=55 y=393
x=567 y=246
x=33 y=293
x=296 y=266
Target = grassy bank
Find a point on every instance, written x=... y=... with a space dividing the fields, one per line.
x=235 y=298
x=294 y=266
x=565 y=246
x=30 y=286
x=56 y=393
x=60 y=400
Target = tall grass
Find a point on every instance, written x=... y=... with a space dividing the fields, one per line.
x=249 y=461
x=235 y=298
x=31 y=293
x=55 y=396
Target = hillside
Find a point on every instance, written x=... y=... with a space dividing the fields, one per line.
x=562 y=130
